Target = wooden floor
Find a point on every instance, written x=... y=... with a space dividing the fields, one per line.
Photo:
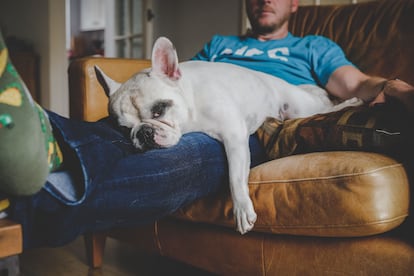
x=119 y=260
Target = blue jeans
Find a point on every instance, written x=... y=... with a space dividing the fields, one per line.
x=107 y=184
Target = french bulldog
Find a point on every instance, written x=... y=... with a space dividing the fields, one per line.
x=225 y=101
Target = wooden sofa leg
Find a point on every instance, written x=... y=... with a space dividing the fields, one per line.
x=95 y=246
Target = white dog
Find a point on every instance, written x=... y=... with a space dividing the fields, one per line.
x=225 y=101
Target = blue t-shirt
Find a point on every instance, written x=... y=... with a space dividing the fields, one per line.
x=298 y=60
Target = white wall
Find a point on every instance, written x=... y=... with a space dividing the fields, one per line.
x=191 y=23
x=42 y=23
x=58 y=62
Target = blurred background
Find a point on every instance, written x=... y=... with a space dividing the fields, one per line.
x=45 y=35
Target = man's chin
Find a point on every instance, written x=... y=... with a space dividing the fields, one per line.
x=262 y=28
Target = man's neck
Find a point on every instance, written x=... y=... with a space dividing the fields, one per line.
x=275 y=35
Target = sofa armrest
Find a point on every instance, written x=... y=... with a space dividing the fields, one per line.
x=87 y=98
x=11 y=241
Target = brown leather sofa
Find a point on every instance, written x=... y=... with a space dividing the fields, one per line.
x=324 y=213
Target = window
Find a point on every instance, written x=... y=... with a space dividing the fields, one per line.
x=128 y=32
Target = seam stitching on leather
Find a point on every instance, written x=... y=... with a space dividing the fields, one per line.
x=326 y=226
x=263 y=257
x=325 y=177
x=157 y=239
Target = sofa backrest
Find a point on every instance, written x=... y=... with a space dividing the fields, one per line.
x=87 y=99
x=377 y=37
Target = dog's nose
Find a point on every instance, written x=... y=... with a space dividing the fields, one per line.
x=145 y=134
x=148 y=131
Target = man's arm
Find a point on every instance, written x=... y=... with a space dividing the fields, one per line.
x=347 y=82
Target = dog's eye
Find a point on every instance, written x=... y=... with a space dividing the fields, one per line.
x=159 y=108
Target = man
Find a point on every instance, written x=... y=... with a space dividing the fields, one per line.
x=310 y=60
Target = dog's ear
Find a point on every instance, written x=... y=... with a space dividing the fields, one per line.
x=108 y=84
x=164 y=59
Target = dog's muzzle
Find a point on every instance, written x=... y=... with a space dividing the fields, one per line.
x=145 y=137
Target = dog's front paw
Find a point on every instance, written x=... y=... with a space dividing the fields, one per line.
x=348 y=103
x=354 y=102
x=245 y=216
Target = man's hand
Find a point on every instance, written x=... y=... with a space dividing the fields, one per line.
x=348 y=81
x=398 y=90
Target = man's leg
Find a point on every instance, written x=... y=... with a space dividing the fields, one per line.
x=122 y=187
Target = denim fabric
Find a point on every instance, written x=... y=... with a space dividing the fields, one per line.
x=108 y=184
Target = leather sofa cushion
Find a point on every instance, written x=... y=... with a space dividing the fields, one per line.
x=331 y=194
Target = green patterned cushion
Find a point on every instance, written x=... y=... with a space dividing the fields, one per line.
x=28 y=150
